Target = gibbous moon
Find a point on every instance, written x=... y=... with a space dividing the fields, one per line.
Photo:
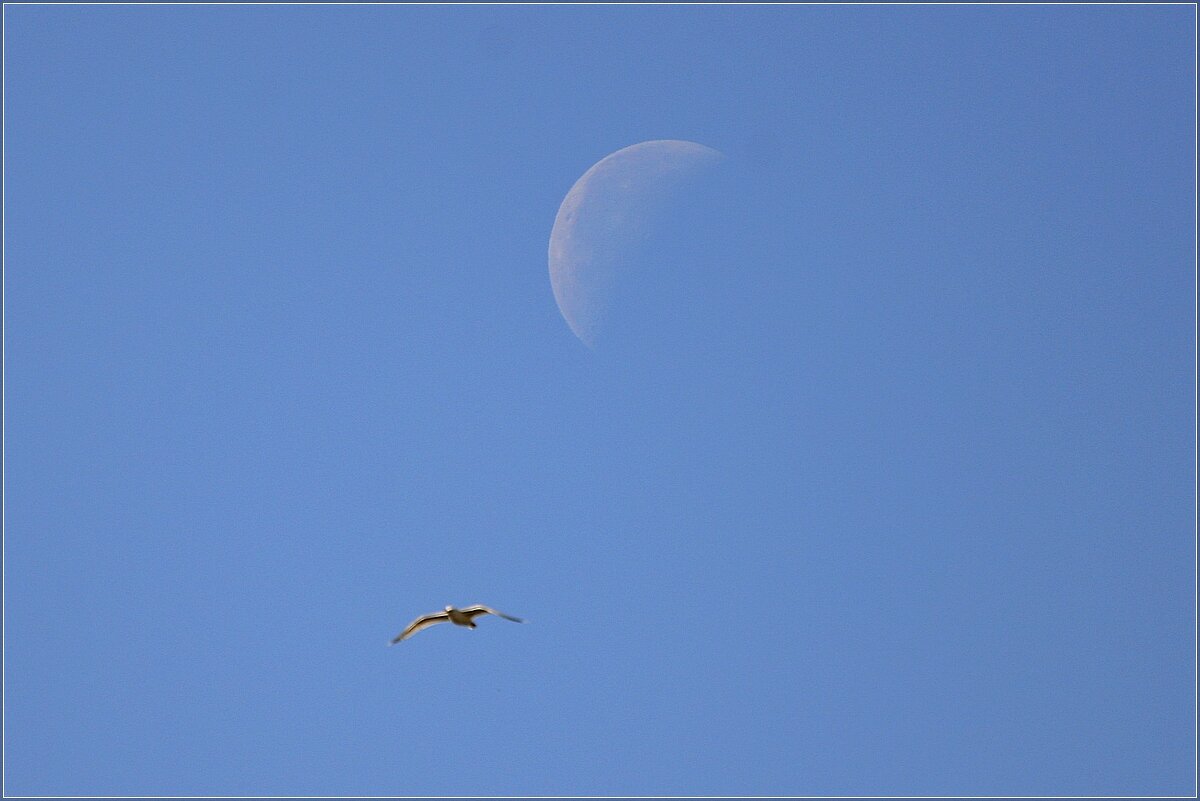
x=609 y=211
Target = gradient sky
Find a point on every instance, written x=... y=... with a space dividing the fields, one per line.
x=284 y=370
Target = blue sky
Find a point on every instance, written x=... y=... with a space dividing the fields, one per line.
x=284 y=370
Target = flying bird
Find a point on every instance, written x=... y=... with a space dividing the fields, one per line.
x=459 y=617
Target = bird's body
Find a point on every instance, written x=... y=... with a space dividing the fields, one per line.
x=459 y=617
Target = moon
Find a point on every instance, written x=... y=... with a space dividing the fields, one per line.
x=609 y=211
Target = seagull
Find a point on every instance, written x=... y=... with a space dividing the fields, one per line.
x=459 y=617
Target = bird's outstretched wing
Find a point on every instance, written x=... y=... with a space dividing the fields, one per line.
x=475 y=611
x=420 y=623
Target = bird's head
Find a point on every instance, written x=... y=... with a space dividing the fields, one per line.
x=449 y=609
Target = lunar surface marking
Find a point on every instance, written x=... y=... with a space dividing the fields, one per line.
x=607 y=213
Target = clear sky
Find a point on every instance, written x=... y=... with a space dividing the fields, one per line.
x=909 y=512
